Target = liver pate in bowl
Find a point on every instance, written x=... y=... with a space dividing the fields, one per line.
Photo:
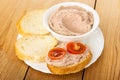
x=71 y=21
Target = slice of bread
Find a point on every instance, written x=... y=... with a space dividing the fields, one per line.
x=71 y=68
x=34 y=48
x=31 y=23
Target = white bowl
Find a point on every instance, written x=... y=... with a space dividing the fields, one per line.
x=70 y=38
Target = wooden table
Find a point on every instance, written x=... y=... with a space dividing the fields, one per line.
x=107 y=67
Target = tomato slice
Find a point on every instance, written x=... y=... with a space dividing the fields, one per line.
x=56 y=53
x=76 y=47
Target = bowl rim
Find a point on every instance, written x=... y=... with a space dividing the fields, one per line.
x=56 y=6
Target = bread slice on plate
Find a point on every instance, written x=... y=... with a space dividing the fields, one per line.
x=71 y=68
x=34 y=48
x=68 y=57
x=31 y=23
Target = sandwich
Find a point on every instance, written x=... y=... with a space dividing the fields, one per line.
x=68 y=58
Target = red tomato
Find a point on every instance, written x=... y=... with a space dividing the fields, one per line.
x=75 y=47
x=56 y=53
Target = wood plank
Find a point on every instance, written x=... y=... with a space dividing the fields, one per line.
x=107 y=66
x=11 y=68
x=36 y=75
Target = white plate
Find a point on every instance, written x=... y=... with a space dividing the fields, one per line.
x=95 y=42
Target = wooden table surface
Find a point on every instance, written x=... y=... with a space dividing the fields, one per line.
x=107 y=67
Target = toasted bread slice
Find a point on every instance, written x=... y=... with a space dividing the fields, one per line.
x=34 y=48
x=31 y=23
x=71 y=68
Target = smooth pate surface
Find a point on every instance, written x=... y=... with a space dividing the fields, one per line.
x=71 y=20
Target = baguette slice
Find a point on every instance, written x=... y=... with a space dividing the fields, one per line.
x=71 y=68
x=31 y=23
x=34 y=48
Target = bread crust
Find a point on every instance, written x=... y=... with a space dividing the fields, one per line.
x=71 y=68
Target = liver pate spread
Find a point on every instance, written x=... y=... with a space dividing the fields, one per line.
x=68 y=59
x=71 y=20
